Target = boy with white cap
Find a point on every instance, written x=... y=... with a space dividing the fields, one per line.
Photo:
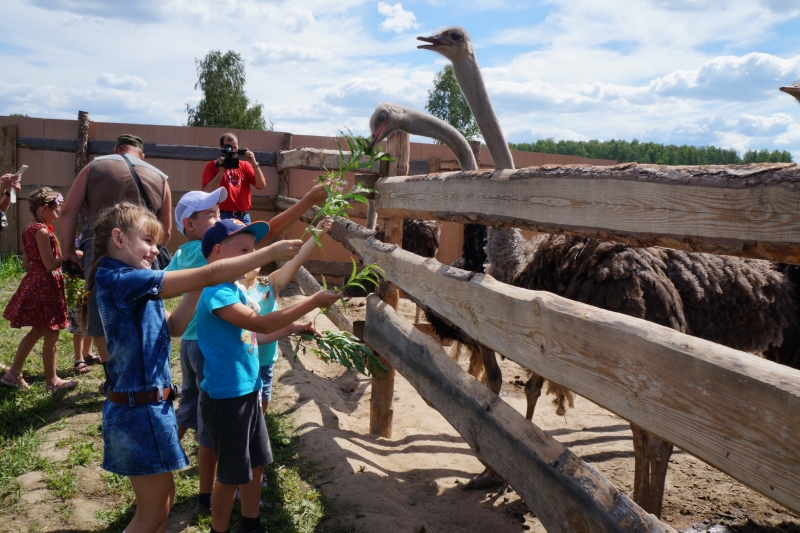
x=196 y=212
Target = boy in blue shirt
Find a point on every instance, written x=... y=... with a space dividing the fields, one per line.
x=195 y=213
x=230 y=392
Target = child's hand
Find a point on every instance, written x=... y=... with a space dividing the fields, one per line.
x=318 y=192
x=304 y=327
x=285 y=250
x=325 y=299
x=324 y=226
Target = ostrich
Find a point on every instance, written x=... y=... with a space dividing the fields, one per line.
x=691 y=293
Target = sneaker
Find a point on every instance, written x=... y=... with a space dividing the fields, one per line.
x=200 y=510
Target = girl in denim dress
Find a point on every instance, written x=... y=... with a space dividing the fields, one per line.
x=140 y=432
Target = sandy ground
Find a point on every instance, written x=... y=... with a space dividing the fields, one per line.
x=412 y=482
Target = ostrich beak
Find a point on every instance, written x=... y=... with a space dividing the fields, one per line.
x=434 y=42
x=378 y=135
x=794 y=90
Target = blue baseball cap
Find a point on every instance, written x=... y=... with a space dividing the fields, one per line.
x=228 y=227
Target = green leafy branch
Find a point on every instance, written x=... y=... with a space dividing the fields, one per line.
x=362 y=155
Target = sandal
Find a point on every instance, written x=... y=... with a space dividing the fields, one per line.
x=93 y=359
x=81 y=367
x=10 y=380
x=62 y=384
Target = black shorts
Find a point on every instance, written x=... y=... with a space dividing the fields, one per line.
x=239 y=434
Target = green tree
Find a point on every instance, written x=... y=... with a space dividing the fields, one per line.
x=447 y=102
x=221 y=77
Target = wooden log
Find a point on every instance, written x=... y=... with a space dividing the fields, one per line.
x=734 y=410
x=565 y=493
x=743 y=210
x=82 y=145
x=283 y=175
x=316 y=159
x=151 y=150
x=8 y=164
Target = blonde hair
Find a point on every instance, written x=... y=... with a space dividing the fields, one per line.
x=127 y=218
x=40 y=198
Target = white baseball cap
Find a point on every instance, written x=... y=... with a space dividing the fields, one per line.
x=194 y=201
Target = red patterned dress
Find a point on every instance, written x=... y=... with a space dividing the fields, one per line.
x=39 y=300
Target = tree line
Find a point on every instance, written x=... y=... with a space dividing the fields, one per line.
x=655 y=153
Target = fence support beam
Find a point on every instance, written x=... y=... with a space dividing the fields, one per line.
x=381 y=410
x=565 y=493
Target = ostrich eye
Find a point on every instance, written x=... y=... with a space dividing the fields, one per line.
x=383 y=115
x=455 y=36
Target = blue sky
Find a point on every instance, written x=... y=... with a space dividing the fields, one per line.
x=675 y=71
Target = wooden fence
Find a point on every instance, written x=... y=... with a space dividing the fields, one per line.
x=735 y=411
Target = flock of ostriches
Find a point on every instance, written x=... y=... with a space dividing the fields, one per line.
x=749 y=305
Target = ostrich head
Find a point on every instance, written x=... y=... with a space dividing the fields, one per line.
x=389 y=118
x=453 y=43
x=386 y=119
x=793 y=90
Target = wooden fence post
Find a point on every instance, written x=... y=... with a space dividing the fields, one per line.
x=283 y=175
x=82 y=149
x=8 y=164
x=476 y=151
x=381 y=412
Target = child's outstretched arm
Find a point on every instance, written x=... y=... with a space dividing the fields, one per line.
x=177 y=282
x=242 y=316
x=281 y=277
x=291 y=329
x=281 y=221
x=178 y=320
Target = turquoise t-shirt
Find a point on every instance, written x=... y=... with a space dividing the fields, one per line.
x=231 y=357
x=189 y=255
x=265 y=296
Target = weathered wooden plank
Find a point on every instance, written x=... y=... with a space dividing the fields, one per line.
x=738 y=412
x=8 y=164
x=565 y=493
x=747 y=210
x=316 y=159
x=151 y=150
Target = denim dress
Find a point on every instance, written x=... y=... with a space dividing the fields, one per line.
x=140 y=440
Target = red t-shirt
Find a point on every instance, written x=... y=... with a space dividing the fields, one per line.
x=236 y=181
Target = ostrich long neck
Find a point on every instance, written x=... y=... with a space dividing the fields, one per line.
x=429 y=126
x=468 y=75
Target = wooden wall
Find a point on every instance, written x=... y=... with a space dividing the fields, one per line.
x=57 y=168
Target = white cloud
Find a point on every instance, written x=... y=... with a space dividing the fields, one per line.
x=398 y=20
x=266 y=53
x=127 y=82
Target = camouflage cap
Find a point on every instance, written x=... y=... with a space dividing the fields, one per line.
x=132 y=140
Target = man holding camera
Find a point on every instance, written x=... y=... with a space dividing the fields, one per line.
x=235 y=176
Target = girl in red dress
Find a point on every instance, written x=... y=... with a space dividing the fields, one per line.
x=39 y=300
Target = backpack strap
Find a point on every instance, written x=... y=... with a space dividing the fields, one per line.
x=142 y=193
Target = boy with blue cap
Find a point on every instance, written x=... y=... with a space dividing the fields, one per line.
x=230 y=392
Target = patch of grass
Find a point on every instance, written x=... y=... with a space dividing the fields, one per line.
x=11 y=267
x=84 y=453
x=61 y=481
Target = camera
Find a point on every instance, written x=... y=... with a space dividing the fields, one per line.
x=231 y=157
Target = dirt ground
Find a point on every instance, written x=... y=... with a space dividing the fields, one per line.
x=412 y=482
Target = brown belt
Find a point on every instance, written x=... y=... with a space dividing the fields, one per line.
x=150 y=396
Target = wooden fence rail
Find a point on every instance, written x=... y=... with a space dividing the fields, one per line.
x=565 y=493
x=731 y=409
x=748 y=211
